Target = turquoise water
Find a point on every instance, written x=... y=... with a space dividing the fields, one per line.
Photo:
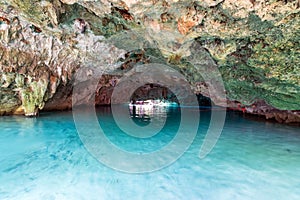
x=44 y=158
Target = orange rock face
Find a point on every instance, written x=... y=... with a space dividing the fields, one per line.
x=185 y=25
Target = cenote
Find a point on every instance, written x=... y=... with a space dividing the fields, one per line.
x=44 y=158
x=149 y=100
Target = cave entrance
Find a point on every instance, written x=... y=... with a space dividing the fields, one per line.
x=153 y=94
x=153 y=99
x=149 y=100
x=157 y=95
x=204 y=101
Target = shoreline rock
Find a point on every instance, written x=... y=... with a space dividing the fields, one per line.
x=261 y=108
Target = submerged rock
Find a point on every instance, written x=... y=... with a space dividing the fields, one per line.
x=254 y=45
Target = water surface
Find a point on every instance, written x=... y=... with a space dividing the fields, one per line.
x=44 y=158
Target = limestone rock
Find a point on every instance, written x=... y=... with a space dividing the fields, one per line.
x=254 y=44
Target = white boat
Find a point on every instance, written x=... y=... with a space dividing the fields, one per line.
x=153 y=103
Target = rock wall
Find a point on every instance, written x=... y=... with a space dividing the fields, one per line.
x=254 y=44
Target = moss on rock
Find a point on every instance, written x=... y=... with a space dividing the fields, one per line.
x=33 y=97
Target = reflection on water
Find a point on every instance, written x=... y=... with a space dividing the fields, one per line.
x=43 y=158
x=142 y=114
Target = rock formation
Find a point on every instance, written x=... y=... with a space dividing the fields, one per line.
x=253 y=43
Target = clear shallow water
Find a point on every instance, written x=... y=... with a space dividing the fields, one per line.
x=43 y=158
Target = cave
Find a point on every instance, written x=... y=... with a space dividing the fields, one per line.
x=153 y=92
x=159 y=99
